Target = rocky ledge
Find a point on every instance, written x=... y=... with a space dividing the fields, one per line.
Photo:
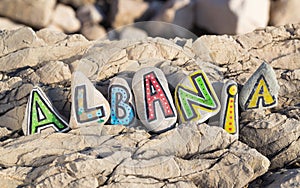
x=267 y=152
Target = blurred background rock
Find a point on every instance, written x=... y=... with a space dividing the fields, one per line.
x=94 y=18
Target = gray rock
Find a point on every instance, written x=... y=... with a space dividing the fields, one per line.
x=261 y=90
x=89 y=107
x=41 y=116
x=122 y=104
x=154 y=103
x=196 y=99
x=54 y=72
x=229 y=115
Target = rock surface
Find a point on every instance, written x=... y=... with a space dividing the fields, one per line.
x=186 y=156
x=82 y=157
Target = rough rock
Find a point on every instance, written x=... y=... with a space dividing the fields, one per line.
x=64 y=17
x=188 y=155
x=232 y=17
x=229 y=113
x=284 y=12
x=78 y=3
x=14 y=40
x=121 y=11
x=280 y=178
x=154 y=103
x=89 y=107
x=273 y=132
x=54 y=72
x=274 y=135
x=21 y=10
x=65 y=49
x=261 y=89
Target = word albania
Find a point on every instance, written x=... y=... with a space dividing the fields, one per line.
x=149 y=102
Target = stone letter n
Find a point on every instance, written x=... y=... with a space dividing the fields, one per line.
x=193 y=103
x=154 y=93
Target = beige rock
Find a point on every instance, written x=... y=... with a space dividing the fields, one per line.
x=13 y=118
x=8 y=24
x=54 y=72
x=37 y=14
x=12 y=41
x=78 y=3
x=4 y=132
x=284 y=12
x=121 y=11
x=93 y=31
x=65 y=18
x=275 y=136
x=231 y=16
x=79 y=158
x=72 y=46
x=279 y=178
x=89 y=14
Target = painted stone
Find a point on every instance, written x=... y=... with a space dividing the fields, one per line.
x=196 y=99
x=41 y=115
x=121 y=102
x=89 y=107
x=154 y=103
x=218 y=86
x=261 y=90
x=229 y=108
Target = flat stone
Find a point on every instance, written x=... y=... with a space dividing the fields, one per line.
x=218 y=86
x=195 y=98
x=229 y=119
x=121 y=102
x=41 y=116
x=261 y=89
x=154 y=102
x=89 y=107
